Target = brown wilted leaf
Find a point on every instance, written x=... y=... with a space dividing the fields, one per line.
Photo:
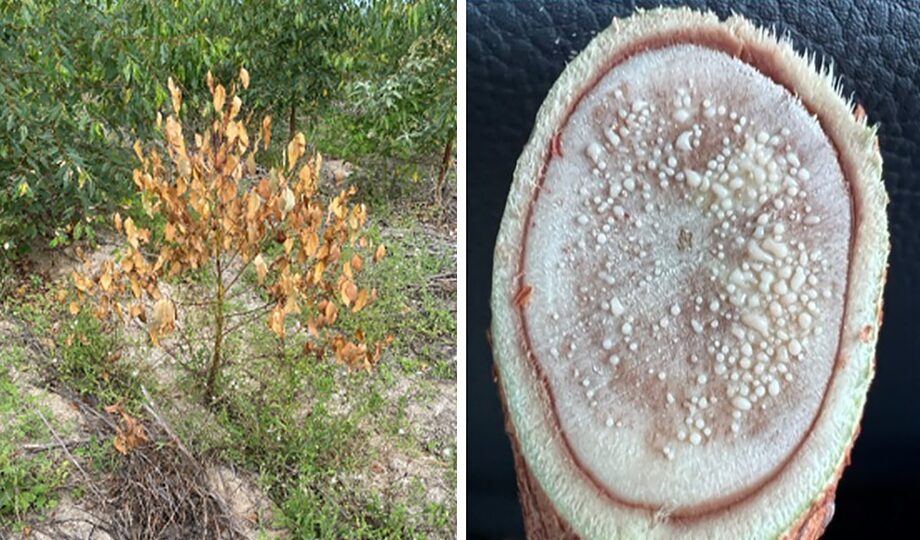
x=176 y=95
x=287 y=198
x=307 y=179
x=360 y=301
x=261 y=267
x=232 y=131
x=331 y=313
x=296 y=148
x=380 y=253
x=276 y=321
x=253 y=203
x=318 y=271
x=309 y=243
x=113 y=409
x=137 y=310
x=349 y=292
x=235 y=106
x=266 y=131
x=81 y=282
x=130 y=435
x=220 y=96
x=174 y=132
x=290 y=305
x=244 y=77
x=74 y=308
x=105 y=280
x=164 y=318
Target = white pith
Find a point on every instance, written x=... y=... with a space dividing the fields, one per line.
x=683 y=393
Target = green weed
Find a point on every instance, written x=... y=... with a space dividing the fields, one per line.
x=28 y=481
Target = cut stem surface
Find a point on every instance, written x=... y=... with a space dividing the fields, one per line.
x=687 y=285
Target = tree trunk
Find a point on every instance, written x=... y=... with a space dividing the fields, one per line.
x=218 y=336
x=442 y=173
x=292 y=120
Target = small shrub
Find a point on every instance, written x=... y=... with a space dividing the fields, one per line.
x=223 y=219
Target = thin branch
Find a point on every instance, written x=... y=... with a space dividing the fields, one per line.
x=63 y=445
x=41 y=447
x=253 y=310
x=149 y=407
x=238 y=274
x=242 y=323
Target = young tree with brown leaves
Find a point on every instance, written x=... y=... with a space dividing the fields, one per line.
x=217 y=219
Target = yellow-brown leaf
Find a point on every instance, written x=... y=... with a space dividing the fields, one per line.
x=310 y=241
x=360 y=300
x=164 y=317
x=232 y=131
x=296 y=148
x=235 y=106
x=220 y=96
x=276 y=321
x=253 y=203
x=288 y=201
x=318 y=271
x=331 y=312
x=266 y=131
x=176 y=95
x=131 y=232
x=244 y=77
x=350 y=292
x=105 y=281
x=261 y=267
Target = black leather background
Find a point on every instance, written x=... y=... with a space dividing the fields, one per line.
x=517 y=49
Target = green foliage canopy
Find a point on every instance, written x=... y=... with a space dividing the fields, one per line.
x=83 y=78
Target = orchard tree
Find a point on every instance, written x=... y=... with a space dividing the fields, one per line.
x=402 y=95
x=300 y=49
